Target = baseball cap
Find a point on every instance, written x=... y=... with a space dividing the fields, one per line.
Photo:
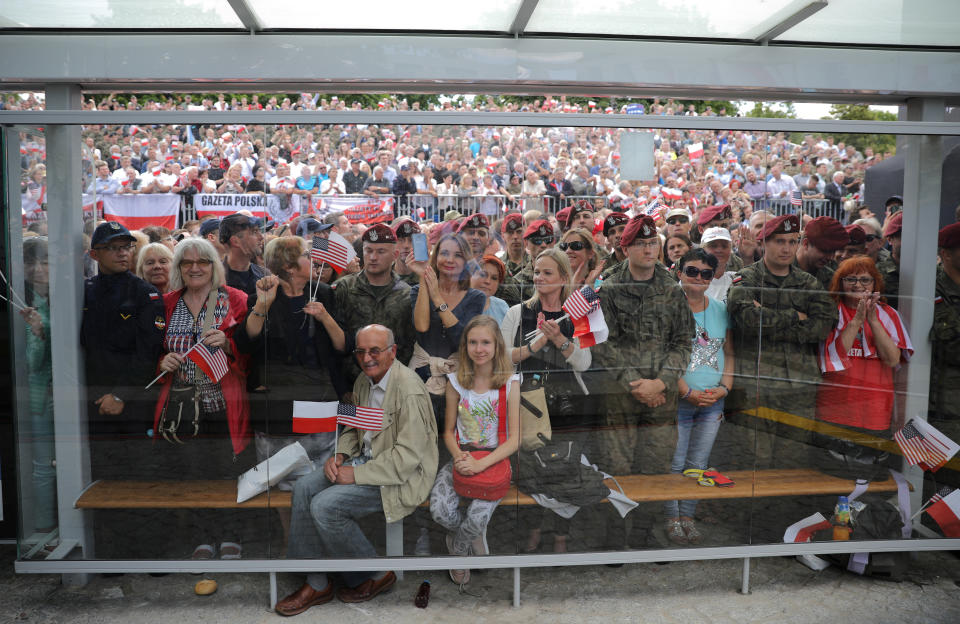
x=715 y=233
x=311 y=226
x=210 y=225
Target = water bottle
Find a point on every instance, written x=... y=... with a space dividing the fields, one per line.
x=841 y=519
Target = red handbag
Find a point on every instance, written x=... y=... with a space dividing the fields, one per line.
x=494 y=482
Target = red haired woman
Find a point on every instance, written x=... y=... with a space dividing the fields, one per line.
x=859 y=355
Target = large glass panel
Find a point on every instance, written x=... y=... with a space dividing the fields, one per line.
x=125 y=14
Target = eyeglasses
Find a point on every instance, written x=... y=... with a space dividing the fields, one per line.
x=706 y=274
x=678 y=220
x=202 y=263
x=118 y=248
x=547 y=240
x=573 y=246
x=871 y=237
x=375 y=352
x=852 y=281
x=649 y=244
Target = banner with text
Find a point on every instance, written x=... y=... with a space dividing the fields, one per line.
x=367 y=210
x=225 y=205
x=138 y=211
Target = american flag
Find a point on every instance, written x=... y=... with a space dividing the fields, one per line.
x=581 y=303
x=332 y=251
x=369 y=418
x=928 y=449
x=212 y=363
x=796 y=199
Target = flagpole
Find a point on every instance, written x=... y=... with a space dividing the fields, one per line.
x=12 y=292
x=313 y=294
x=157 y=378
x=13 y=303
x=921 y=510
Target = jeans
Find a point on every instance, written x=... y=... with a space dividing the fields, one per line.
x=696 y=431
x=323 y=523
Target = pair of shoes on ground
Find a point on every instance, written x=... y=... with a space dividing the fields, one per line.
x=306 y=597
x=682 y=531
x=228 y=551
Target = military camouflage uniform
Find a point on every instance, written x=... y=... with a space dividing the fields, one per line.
x=509 y=291
x=735 y=263
x=359 y=304
x=945 y=365
x=651 y=333
x=890 y=272
x=410 y=279
x=513 y=267
x=776 y=352
x=823 y=276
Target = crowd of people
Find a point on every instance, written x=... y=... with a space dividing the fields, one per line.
x=713 y=305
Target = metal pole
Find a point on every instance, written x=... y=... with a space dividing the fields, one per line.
x=745 y=577
x=516 y=587
x=273 y=590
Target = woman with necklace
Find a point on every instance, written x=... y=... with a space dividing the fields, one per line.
x=703 y=387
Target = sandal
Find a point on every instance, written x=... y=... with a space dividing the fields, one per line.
x=201 y=552
x=693 y=535
x=674 y=531
x=230 y=550
x=718 y=479
x=700 y=476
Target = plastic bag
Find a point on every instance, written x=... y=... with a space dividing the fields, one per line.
x=271 y=471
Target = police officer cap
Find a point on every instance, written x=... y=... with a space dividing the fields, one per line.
x=641 y=226
x=108 y=231
x=710 y=213
x=827 y=234
x=234 y=224
x=540 y=228
x=379 y=233
x=562 y=216
x=210 y=225
x=893 y=199
x=894 y=225
x=512 y=222
x=784 y=224
x=309 y=227
x=474 y=221
x=949 y=237
x=405 y=228
x=858 y=236
x=613 y=220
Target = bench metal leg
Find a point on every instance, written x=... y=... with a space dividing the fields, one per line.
x=745 y=577
x=516 y=587
x=395 y=542
x=273 y=590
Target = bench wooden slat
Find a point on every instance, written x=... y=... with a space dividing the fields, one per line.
x=641 y=488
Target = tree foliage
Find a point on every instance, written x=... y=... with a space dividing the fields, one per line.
x=880 y=143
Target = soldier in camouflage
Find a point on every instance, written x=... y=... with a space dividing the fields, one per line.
x=780 y=314
x=821 y=240
x=375 y=296
x=945 y=336
x=613 y=226
x=514 y=255
x=538 y=236
x=890 y=267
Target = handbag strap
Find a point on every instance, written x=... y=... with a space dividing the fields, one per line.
x=502 y=413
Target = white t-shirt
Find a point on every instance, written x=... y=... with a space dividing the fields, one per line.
x=478 y=414
x=719 y=286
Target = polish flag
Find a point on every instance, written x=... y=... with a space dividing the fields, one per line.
x=946 y=512
x=670 y=193
x=136 y=212
x=309 y=417
x=802 y=531
x=695 y=151
x=591 y=329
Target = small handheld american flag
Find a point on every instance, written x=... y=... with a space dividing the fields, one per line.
x=368 y=418
x=332 y=251
x=928 y=449
x=213 y=363
x=796 y=199
x=581 y=302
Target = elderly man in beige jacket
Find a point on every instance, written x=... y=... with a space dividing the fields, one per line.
x=389 y=471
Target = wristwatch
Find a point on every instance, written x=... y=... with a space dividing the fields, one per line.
x=564 y=346
x=443 y=307
x=116 y=398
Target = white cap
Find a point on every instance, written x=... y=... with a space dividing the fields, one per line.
x=715 y=233
x=679 y=212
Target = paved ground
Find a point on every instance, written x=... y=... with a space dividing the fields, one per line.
x=684 y=592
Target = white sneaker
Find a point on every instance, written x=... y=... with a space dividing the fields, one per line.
x=422 y=549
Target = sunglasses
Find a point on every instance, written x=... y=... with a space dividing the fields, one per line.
x=374 y=352
x=547 y=240
x=573 y=246
x=677 y=220
x=706 y=274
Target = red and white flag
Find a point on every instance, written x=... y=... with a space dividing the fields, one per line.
x=946 y=512
x=695 y=151
x=213 y=363
x=335 y=251
x=312 y=417
x=802 y=531
x=670 y=193
x=136 y=212
x=581 y=303
x=368 y=418
x=923 y=445
x=591 y=329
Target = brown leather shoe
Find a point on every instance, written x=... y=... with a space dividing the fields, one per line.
x=367 y=589
x=304 y=598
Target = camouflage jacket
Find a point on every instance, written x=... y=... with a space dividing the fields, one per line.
x=358 y=305
x=513 y=267
x=823 y=276
x=945 y=339
x=651 y=331
x=786 y=346
x=510 y=291
x=890 y=272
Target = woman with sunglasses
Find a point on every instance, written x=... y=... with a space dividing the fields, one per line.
x=702 y=388
x=582 y=254
x=859 y=355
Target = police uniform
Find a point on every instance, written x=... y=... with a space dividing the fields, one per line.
x=776 y=352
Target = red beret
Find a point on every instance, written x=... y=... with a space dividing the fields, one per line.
x=474 y=221
x=894 y=225
x=949 y=237
x=827 y=234
x=379 y=233
x=710 y=213
x=581 y=206
x=641 y=226
x=562 y=215
x=858 y=236
x=784 y=224
x=613 y=220
x=511 y=222
x=540 y=228
x=405 y=228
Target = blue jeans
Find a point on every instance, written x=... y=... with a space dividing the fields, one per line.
x=696 y=431
x=323 y=523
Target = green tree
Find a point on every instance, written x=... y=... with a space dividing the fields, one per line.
x=880 y=143
x=782 y=110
